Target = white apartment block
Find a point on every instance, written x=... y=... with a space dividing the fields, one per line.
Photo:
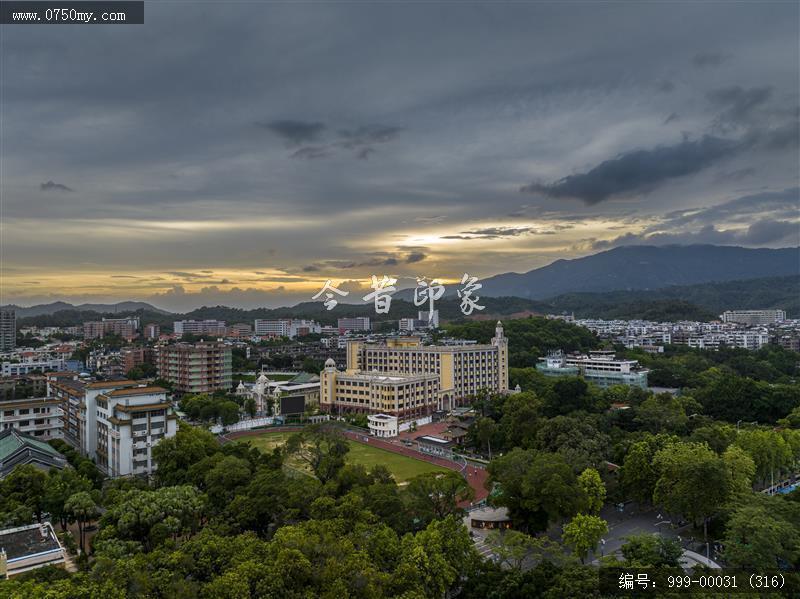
x=358 y=323
x=754 y=317
x=130 y=422
x=286 y=327
x=113 y=422
x=39 y=417
x=33 y=365
x=214 y=328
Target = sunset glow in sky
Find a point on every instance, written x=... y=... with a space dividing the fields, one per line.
x=208 y=158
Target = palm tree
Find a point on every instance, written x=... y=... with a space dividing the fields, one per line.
x=83 y=508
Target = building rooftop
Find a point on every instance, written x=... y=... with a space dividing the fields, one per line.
x=135 y=391
x=24 y=541
x=110 y=384
x=17 y=448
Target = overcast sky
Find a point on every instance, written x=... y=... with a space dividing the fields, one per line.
x=242 y=153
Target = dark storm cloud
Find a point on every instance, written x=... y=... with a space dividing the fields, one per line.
x=760 y=233
x=52 y=186
x=672 y=117
x=359 y=141
x=415 y=257
x=311 y=153
x=665 y=86
x=295 y=132
x=709 y=59
x=639 y=171
x=764 y=218
x=368 y=135
x=737 y=104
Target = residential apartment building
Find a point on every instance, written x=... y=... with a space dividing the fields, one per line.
x=127 y=328
x=239 y=330
x=286 y=327
x=754 y=317
x=29 y=365
x=358 y=323
x=599 y=367
x=403 y=378
x=135 y=356
x=195 y=368
x=38 y=417
x=113 y=422
x=213 y=328
x=424 y=320
x=129 y=422
x=152 y=331
x=8 y=330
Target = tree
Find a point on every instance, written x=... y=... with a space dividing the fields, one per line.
x=435 y=495
x=741 y=469
x=593 y=488
x=769 y=451
x=322 y=447
x=485 y=430
x=583 y=533
x=577 y=439
x=26 y=485
x=662 y=413
x=175 y=455
x=693 y=481
x=570 y=394
x=520 y=420
x=538 y=488
x=761 y=531
x=83 y=508
x=250 y=407
x=639 y=474
x=59 y=487
x=651 y=551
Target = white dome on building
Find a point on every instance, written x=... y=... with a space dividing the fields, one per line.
x=330 y=363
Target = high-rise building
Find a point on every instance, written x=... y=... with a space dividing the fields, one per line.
x=754 y=317
x=195 y=367
x=130 y=422
x=8 y=330
x=403 y=367
x=214 y=328
x=286 y=327
x=116 y=423
x=127 y=328
x=272 y=328
x=152 y=331
x=357 y=323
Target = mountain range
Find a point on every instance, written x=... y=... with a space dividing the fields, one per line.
x=622 y=269
x=645 y=267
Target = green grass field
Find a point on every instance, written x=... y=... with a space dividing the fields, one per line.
x=401 y=467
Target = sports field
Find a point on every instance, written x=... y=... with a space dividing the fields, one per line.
x=401 y=467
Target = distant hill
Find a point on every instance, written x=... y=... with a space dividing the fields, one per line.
x=52 y=308
x=645 y=267
x=705 y=301
x=690 y=302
